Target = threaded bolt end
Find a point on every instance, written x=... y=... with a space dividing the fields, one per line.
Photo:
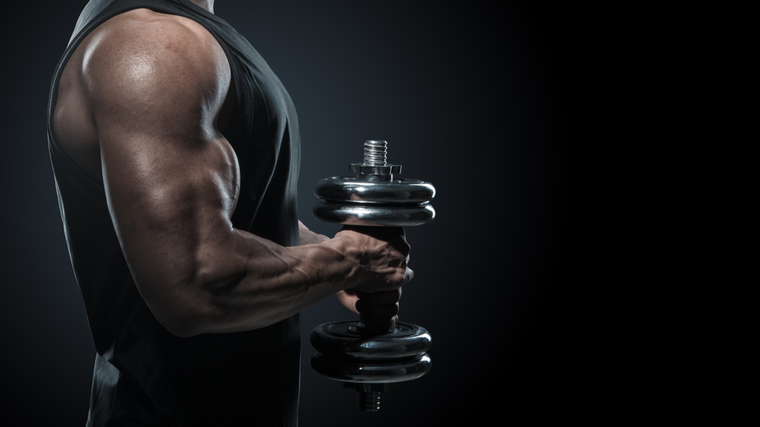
x=375 y=153
x=369 y=401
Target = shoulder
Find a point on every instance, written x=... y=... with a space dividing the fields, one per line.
x=140 y=52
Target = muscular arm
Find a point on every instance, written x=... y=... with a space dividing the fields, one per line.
x=307 y=237
x=171 y=179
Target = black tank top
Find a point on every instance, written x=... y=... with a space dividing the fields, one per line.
x=143 y=374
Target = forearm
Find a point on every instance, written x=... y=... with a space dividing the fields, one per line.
x=255 y=283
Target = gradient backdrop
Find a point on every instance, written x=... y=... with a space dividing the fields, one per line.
x=481 y=101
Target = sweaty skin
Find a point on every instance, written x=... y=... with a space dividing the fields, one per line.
x=141 y=106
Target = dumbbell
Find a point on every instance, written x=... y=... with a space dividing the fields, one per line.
x=366 y=355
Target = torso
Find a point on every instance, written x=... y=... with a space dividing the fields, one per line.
x=251 y=374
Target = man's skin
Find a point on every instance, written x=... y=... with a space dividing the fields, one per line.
x=142 y=107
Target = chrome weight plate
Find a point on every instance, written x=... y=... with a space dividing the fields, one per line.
x=369 y=372
x=374 y=215
x=344 y=341
x=356 y=190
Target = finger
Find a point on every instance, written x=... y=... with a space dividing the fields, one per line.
x=408 y=275
x=395 y=236
x=348 y=298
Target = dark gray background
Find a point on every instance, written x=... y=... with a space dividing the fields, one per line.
x=491 y=105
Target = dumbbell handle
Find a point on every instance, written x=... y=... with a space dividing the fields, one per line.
x=374 y=325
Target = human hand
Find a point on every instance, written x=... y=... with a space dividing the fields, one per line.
x=382 y=254
x=379 y=308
